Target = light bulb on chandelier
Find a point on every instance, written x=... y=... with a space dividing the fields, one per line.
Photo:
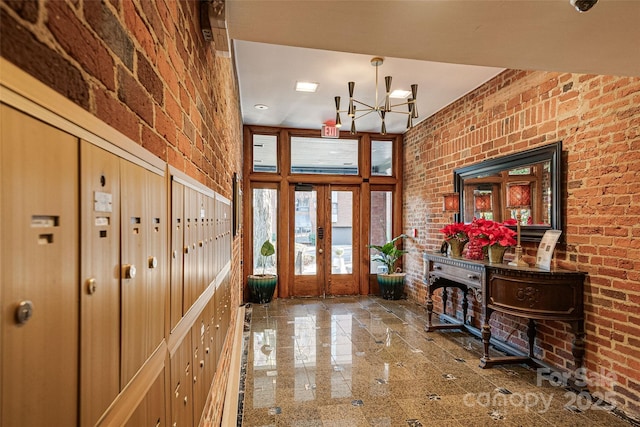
x=383 y=108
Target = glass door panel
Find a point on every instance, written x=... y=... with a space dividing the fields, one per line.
x=324 y=240
x=265 y=215
x=305 y=227
x=307 y=254
x=381 y=225
x=344 y=240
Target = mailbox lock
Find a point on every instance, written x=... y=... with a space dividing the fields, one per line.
x=174 y=254
x=187 y=249
x=206 y=350
x=153 y=262
x=24 y=312
x=129 y=271
x=91 y=286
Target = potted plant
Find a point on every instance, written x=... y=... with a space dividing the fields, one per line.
x=391 y=281
x=262 y=286
x=456 y=237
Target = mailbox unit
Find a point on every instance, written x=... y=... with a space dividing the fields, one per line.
x=114 y=273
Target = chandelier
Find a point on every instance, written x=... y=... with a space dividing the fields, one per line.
x=381 y=109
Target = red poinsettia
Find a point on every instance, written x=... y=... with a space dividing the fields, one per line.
x=456 y=230
x=489 y=233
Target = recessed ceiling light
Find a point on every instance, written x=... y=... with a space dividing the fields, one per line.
x=306 y=87
x=404 y=94
x=261 y=107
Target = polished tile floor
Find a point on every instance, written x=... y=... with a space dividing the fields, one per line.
x=365 y=361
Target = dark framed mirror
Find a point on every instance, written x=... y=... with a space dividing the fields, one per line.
x=524 y=184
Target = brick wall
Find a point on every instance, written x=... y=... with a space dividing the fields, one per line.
x=142 y=67
x=598 y=120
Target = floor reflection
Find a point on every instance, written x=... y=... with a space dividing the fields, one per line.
x=364 y=361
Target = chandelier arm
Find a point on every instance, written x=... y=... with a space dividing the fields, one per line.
x=366 y=105
x=398 y=105
x=359 y=117
x=381 y=109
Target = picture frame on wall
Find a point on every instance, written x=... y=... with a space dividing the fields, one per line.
x=237 y=204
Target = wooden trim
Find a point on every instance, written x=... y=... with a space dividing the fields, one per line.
x=283 y=179
x=365 y=232
x=284 y=282
x=230 y=407
x=130 y=397
x=188 y=181
x=223 y=199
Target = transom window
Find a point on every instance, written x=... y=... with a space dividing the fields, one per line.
x=324 y=156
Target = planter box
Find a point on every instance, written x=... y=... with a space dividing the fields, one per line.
x=391 y=285
x=261 y=287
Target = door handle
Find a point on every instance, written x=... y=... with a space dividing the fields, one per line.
x=320 y=251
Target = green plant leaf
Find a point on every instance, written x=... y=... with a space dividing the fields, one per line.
x=389 y=253
x=267 y=249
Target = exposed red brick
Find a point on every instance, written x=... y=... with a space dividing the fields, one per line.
x=153 y=17
x=26 y=9
x=80 y=43
x=165 y=126
x=132 y=93
x=86 y=44
x=597 y=119
x=150 y=80
x=167 y=74
x=22 y=48
x=139 y=29
x=116 y=114
x=102 y=20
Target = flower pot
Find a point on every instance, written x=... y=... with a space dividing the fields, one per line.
x=496 y=252
x=261 y=287
x=456 y=247
x=474 y=250
x=391 y=285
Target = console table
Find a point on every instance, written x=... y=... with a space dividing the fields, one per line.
x=529 y=292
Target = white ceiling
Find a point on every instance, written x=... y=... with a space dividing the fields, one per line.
x=447 y=47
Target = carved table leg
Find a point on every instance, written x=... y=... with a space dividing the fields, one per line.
x=531 y=333
x=465 y=306
x=486 y=337
x=429 y=308
x=577 y=345
x=445 y=297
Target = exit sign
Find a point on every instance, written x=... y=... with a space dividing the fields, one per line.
x=330 y=132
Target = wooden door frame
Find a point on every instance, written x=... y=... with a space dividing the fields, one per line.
x=283 y=179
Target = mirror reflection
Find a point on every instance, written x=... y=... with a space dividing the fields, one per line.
x=525 y=190
x=524 y=185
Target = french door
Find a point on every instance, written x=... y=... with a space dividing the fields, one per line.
x=324 y=239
